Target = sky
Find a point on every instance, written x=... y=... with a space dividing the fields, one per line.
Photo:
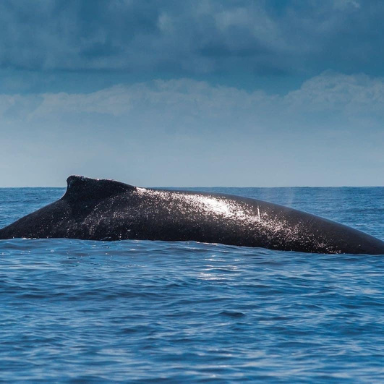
x=257 y=93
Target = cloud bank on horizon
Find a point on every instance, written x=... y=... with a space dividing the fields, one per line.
x=192 y=93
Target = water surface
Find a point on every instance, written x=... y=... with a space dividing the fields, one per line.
x=143 y=311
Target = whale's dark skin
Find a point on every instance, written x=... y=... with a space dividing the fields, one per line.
x=108 y=210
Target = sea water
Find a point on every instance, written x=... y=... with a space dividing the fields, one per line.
x=148 y=311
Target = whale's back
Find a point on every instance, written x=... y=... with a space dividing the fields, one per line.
x=110 y=210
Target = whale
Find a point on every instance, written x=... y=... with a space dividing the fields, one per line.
x=101 y=209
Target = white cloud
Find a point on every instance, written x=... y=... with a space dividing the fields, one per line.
x=187 y=101
x=346 y=94
x=186 y=132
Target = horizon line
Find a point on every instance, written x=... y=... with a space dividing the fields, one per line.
x=218 y=186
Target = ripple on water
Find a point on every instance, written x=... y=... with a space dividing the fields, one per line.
x=142 y=310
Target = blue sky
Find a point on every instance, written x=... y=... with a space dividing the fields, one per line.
x=192 y=92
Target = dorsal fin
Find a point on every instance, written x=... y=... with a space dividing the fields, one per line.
x=81 y=188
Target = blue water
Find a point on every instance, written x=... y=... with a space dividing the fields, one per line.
x=143 y=311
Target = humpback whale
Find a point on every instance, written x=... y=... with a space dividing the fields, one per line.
x=97 y=209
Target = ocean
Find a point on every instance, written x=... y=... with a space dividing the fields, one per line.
x=151 y=311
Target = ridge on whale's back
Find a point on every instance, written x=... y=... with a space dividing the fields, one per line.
x=80 y=188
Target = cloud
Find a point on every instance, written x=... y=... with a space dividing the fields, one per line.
x=188 y=132
x=347 y=94
x=191 y=37
x=183 y=103
x=346 y=4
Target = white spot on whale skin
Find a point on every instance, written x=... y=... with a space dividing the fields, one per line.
x=140 y=190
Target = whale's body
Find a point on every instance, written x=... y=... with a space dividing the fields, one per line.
x=108 y=210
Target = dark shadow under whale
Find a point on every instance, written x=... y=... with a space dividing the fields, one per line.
x=109 y=210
